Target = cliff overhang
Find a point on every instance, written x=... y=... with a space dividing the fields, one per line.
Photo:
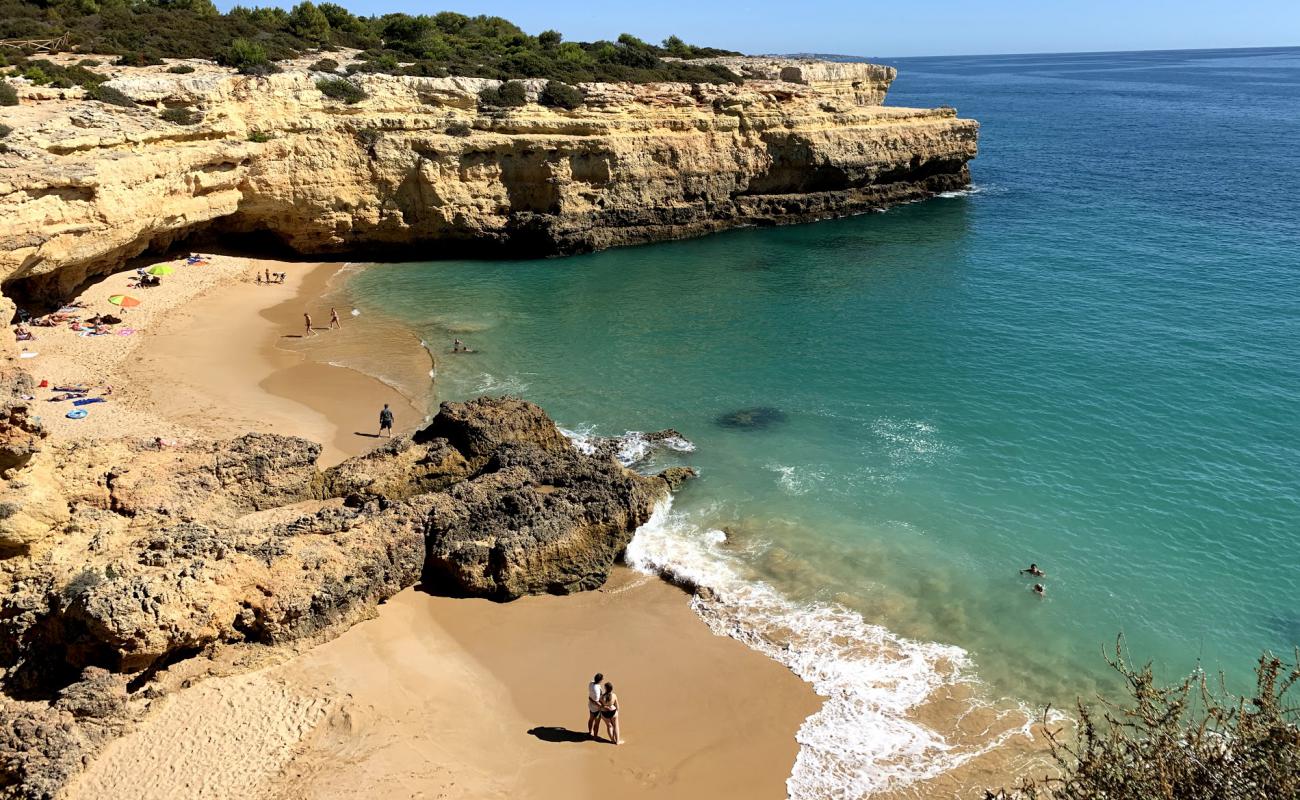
x=420 y=167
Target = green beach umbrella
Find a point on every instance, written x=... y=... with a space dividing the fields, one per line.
x=161 y=269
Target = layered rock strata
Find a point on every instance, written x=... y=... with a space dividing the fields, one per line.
x=127 y=557
x=422 y=166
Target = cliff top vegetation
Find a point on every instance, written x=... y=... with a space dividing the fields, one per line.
x=142 y=32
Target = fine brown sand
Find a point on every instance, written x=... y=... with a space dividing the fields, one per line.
x=435 y=697
x=227 y=366
x=438 y=697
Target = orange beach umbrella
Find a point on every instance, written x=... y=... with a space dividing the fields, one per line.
x=125 y=301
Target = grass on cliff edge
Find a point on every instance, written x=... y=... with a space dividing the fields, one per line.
x=141 y=32
x=1189 y=740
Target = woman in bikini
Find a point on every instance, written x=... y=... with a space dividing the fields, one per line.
x=609 y=712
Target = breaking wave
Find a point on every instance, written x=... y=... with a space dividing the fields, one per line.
x=869 y=734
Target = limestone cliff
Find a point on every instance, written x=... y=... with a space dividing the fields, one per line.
x=419 y=164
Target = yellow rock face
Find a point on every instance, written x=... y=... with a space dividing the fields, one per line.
x=85 y=185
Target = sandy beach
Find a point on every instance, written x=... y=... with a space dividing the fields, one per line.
x=435 y=697
x=469 y=698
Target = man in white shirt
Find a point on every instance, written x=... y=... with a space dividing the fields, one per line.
x=594 y=691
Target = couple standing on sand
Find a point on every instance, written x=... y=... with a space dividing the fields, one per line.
x=602 y=703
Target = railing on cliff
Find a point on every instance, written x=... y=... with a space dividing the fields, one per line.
x=39 y=45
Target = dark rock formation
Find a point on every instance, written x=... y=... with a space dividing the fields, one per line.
x=752 y=418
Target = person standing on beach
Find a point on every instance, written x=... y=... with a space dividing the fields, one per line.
x=334 y=319
x=307 y=318
x=609 y=710
x=594 y=692
x=386 y=421
x=268 y=277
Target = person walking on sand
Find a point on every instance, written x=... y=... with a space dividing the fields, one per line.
x=594 y=692
x=334 y=319
x=609 y=710
x=307 y=318
x=268 y=277
x=386 y=421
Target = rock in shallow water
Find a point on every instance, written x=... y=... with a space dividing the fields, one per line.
x=752 y=418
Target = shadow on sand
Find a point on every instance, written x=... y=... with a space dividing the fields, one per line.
x=554 y=733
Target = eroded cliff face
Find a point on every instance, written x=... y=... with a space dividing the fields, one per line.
x=418 y=165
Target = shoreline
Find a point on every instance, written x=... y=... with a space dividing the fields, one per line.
x=216 y=354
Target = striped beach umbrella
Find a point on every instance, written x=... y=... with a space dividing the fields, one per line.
x=123 y=300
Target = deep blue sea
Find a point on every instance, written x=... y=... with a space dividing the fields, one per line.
x=1090 y=361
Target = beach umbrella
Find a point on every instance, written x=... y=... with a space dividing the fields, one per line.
x=125 y=301
x=161 y=269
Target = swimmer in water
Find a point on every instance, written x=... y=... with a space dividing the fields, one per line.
x=1039 y=590
x=1033 y=571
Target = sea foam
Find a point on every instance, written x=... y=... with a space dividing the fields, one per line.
x=865 y=738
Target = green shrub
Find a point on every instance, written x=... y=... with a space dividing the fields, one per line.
x=248 y=58
x=5 y=130
x=181 y=69
x=561 y=95
x=36 y=75
x=325 y=65
x=259 y=137
x=182 y=115
x=142 y=31
x=107 y=94
x=510 y=94
x=1189 y=740
x=8 y=94
x=341 y=89
x=88 y=62
x=136 y=58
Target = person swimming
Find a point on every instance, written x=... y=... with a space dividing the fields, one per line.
x=1034 y=571
x=1039 y=590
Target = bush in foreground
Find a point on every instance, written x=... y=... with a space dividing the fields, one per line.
x=340 y=89
x=8 y=94
x=1189 y=740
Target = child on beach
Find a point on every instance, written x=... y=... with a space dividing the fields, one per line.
x=334 y=319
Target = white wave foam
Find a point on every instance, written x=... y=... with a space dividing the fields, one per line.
x=631 y=448
x=510 y=384
x=967 y=192
x=865 y=737
x=796 y=480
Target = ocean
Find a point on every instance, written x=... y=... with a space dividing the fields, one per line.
x=1090 y=360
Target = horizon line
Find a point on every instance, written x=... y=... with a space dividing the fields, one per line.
x=1047 y=52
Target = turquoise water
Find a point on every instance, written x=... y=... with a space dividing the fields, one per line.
x=1090 y=362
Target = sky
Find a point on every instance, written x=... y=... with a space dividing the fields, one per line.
x=893 y=27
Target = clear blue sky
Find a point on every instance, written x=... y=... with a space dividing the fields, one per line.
x=891 y=27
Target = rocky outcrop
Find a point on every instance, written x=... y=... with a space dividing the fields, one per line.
x=85 y=185
x=20 y=429
x=126 y=557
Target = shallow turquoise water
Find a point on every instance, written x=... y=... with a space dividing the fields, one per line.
x=1091 y=362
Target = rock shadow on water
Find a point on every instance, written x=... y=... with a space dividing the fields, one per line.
x=752 y=419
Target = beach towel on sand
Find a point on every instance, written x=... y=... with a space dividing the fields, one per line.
x=88 y=401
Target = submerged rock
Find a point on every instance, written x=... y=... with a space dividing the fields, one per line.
x=752 y=418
